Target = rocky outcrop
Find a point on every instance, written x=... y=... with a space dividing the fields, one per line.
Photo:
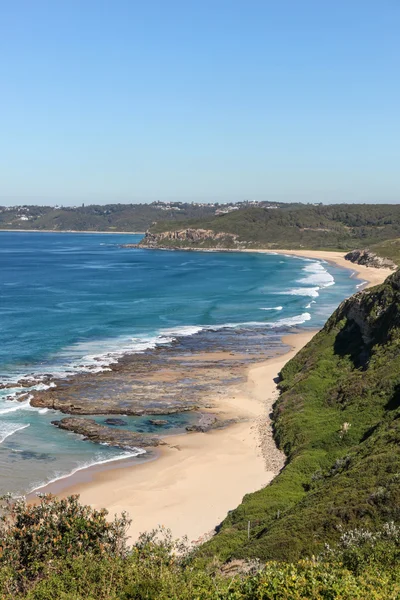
x=120 y=438
x=189 y=237
x=370 y=259
x=209 y=422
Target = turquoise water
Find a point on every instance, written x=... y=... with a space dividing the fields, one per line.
x=71 y=303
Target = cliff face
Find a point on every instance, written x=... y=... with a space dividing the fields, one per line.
x=338 y=421
x=372 y=317
x=370 y=259
x=189 y=237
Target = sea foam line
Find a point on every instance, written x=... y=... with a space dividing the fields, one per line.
x=291 y=321
x=8 y=429
x=133 y=454
x=17 y=406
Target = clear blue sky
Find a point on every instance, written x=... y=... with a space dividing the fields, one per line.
x=104 y=101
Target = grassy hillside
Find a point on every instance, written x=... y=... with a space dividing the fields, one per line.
x=388 y=249
x=338 y=421
x=335 y=227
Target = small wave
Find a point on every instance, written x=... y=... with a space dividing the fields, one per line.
x=310 y=291
x=16 y=406
x=97 y=461
x=309 y=304
x=182 y=330
x=291 y=321
x=273 y=308
x=8 y=429
x=361 y=284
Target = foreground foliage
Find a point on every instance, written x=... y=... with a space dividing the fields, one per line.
x=62 y=550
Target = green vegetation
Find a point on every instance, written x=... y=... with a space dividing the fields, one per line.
x=338 y=421
x=388 y=249
x=108 y=217
x=64 y=551
x=334 y=227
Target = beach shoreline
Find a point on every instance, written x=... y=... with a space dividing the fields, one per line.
x=371 y=275
x=198 y=477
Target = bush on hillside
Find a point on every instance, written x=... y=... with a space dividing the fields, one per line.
x=32 y=537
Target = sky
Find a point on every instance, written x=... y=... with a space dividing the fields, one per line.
x=199 y=100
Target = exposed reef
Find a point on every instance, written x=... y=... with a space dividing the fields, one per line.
x=185 y=376
x=120 y=438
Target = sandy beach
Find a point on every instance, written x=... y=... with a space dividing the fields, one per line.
x=199 y=477
x=371 y=275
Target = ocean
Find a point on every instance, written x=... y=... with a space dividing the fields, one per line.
x=76 y=303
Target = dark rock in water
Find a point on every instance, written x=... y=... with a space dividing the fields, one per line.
x=106 y=435
x=32 y=455
x=117 y=422
x=158 y=422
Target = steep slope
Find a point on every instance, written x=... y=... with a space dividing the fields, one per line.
x=338 y=421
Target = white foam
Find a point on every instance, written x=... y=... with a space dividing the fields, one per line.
x=132 y=454
x=309 y=291
x=291 y=321
x=183 y=330
x=273 y=308
x=316 y=275
x=16 y=406
x=8 y=429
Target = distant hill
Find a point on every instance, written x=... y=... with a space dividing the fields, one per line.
x=264 y=225
x=335 y=227
x=338 y=422
x=109 y=217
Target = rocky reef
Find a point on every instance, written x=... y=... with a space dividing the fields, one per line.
x=186 y=376
x=370 y=259
x=120 y=438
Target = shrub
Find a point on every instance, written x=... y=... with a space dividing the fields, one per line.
x=34 y=537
